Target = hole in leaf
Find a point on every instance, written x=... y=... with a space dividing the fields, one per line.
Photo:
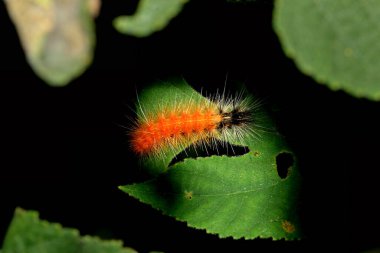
x=215 y=147
x=284 y=161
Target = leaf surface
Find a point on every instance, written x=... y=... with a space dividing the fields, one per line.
x=151 y=16
x=57 y=36
x=29 y=234
x=335 y=42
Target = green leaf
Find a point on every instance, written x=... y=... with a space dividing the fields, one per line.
x=58 y=36
x=333 y=41
x=239 y=196
x=29 y=234
x=151 y=16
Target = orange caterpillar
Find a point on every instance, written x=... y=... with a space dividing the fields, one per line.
x=180 y=126
x=191 y=121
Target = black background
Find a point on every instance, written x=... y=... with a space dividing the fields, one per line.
x=63 y=151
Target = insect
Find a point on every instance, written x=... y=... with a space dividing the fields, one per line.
x=182 y=120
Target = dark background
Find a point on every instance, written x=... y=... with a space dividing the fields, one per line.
x=63 y=151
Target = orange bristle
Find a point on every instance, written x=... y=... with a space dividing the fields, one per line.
x=174 y=126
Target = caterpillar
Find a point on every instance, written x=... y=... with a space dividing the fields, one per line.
x=182 y=120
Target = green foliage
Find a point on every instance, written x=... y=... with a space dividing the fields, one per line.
x=57 y=36
x=29 y=234
x=333 y=41
x=151 y=16
x=239 y=196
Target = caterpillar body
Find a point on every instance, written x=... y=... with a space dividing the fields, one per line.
x=185 y=119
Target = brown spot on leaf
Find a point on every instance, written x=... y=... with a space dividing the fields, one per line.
x=288 y=226
x=256 y=153
x=189 y=195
